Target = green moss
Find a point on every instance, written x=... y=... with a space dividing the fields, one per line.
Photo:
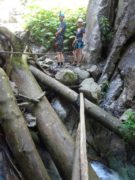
x=70 y=77
x=19 y=61
x=128 y=126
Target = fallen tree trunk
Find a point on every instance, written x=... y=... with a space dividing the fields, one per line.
x=81 y=169
x=96 y=112
x=76 y=175
x=17 y=134
x=54 y=134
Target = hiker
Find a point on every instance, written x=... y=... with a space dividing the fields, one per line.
x=78 y=43
x=59 y=40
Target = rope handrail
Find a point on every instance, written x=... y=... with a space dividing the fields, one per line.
x=28 y=53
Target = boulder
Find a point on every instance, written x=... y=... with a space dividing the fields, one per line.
x=94 y=72
x=38 y=49
x=67 y=77
x=124 y=117
x=61 y=108
x=48 y=61
x=67 y=113
x=91 y=89
x=82 y=74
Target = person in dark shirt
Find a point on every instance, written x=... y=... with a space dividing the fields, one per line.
x=78 y=43
x=59 y=39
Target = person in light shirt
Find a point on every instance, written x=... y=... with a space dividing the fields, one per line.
x=78 y=43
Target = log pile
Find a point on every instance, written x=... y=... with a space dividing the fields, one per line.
x=56 y=138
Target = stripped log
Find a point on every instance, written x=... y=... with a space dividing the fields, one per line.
x=93 y=110
x=17 y=134
x=87 y=173
x=83 y=150
x=76 y=166
x=56 y=138
x=81 y=169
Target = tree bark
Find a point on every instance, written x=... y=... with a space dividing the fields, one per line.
x=76 y=175
x=87 y=173
x=93 y=110
x=54 y=134
x=17 y=134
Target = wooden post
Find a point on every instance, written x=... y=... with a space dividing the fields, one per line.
x=76 y=166
x=83 y=150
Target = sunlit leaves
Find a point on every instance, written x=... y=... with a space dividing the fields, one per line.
x=43 y=24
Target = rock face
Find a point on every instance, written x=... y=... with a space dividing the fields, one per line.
x=93 y=44
x=67 y=77
x=119 y=71
x=124 y=32
x=127 y=71
x=91 y=89
x=113 y=92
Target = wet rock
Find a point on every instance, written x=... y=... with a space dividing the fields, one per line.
x=113 y=92
x=120 y=12
x=117 y=157
x=82 y=74
x=125 y=115
x=91 y=89
x=67 y=77
x=127 y=70
x=94 y=72
x=104 y=172
x=67 y=114
x=61 y=108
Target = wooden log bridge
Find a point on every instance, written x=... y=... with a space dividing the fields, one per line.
x=103 y=117
x=81 y=169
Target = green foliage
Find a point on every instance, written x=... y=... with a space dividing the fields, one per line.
x=129 y=124
x=105 y=28
x=105 y=86
x=43 y=24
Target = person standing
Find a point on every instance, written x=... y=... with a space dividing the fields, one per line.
x=59 y=39
x=78 y=43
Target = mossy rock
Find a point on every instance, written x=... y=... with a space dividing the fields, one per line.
x=67 y=77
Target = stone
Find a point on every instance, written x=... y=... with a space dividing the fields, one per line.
x=48 y=61
x=124 y=117
x=82 y=74
x=67 y=77
x=67 y=113
x=94 y=72
x=61 y=108
x=113 y=92
x=38 y=49
x=90 y=89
